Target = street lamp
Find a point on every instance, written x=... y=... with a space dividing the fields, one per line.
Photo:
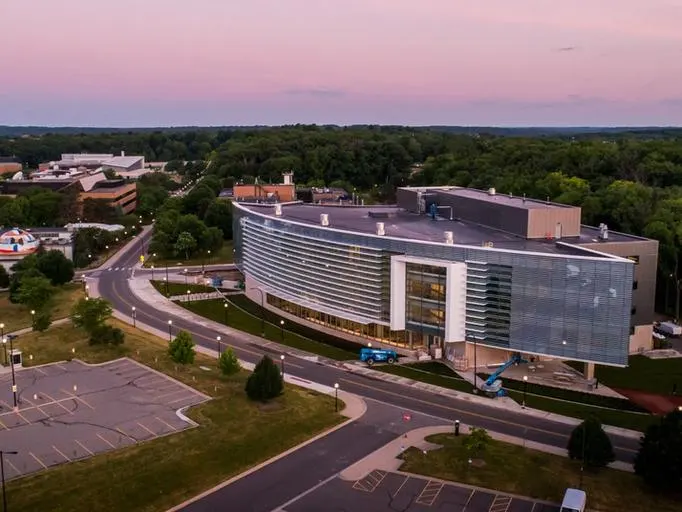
x=525 y=388
x=281 y=329
x=336 y=397
x=134 y=317
x=188 y=292
x=219 y=350
x=281 y=358
x=152 y=272
x=87 y=290
x=170 y=336
x=2 y=473
x=11 y=364
x=4 y=344
x=226 y=309
x=165 y=282
x=185 y=277
x=33 y=319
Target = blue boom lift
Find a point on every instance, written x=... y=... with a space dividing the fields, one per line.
x=374 y=355
x=493 y=385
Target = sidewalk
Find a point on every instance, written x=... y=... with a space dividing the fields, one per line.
x=507 y=404
x=386 y=457
x=147 y=293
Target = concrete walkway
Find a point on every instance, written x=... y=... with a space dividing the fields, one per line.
x=387 y=458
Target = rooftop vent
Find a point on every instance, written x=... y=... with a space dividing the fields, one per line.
x=278 y=210
x=487 y=244
x=449 y=237
x=491 y=191
x=324 y=219
x=603 y=231
x=380 y=229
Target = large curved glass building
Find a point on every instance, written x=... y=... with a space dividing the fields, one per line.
x=447 y=267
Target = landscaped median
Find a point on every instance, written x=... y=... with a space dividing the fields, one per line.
x=234 y=433
x=170 y=289
x=526 y=472
x=223 y=255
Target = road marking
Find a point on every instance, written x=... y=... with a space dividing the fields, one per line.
x=533 y=508
x=61 y=367
x=473 y=491
x=173 y=429
x=61 y=453
x=41 y=371
x=3 y=425
x=500 y=504
x=13 y=466
x=464 y=411
x=371 y=481
x=58 y=402
x=77 y=398
x=148 y=430
x=181 y=399
x=38 y=460
x=36 y=406
x=83 y=446
x=164 y=395
x=105 y=440
x=401 y=486
x=22 y=417
x=430 y=493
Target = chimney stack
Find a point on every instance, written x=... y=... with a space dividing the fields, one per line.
x=380 y=229
x=278 y=210
x=324 y=219
x=449 y=238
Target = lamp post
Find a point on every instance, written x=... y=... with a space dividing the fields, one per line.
x=226 y=309
x=2 y=473
x=11 y=364
x=33 y=319
x=4 y=345
x=134 y=317
x=525 y=387
x=188 y=292
x=336 y=397
x=2 y=337
x=209 y=256
x=219 y=349
x=152 y=272
x=185 y=272
x=170 y=335
x=87 y=290
x=281 y=358
x=281 y=331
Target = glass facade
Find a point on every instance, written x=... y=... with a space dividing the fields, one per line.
x=555 y=304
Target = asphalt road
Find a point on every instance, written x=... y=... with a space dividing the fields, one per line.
x=115 y=289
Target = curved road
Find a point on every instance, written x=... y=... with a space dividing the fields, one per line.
x=115 y=289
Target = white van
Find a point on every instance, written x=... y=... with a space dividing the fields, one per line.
x=574 y=501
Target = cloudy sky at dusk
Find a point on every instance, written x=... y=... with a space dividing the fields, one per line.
x=230 y=62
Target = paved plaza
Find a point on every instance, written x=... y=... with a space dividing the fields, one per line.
x=70 y=411
x=385 y=491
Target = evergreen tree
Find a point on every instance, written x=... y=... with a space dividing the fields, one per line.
x=265 y=382
x=589 y=440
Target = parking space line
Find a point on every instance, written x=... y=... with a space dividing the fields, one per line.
x=38 y=460
x=4 y=426
x=123 y=433
x=57 y=402
x=181 y=399
x=105 y=440
x=371 y=481
x=170 y=394
x=500 y=503
x=148 y=430
x=61 y=367
x=41 y=371
x=166 y=423
x=401 y=486
x=83 y=446
x=36 y=406
x=77 y=398
x=430 y=493
x=13 y=466
x=61 y=453
x=22 y=417
x=533 y=507
x=473 y=491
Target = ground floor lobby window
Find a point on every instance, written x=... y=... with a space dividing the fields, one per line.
x=369 y=332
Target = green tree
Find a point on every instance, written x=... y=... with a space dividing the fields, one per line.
x=4 y=277
x=42 y=320
x=185 y=244
x=228 y=362
x=35 y=292
x=219 y=215
x=476 y=442
x=91 y=314
x=659 y=460
x=107 y=335
x=589 y=440
x=181 y=349
x=56 y=267
x=265 y=382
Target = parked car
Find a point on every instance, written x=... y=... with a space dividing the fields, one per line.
x=376 y=355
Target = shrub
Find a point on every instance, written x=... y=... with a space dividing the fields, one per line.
x=107 y=335
x=228 y=362
x=659 y=460
x=589 y=440
x=42 y=320
x=181 y=349
x=265 y=382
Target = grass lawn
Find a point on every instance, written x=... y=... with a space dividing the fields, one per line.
x=518 y=470
x=181 y=288
x=439 y=374
x=18 y=316
x=224 y=255
x=644 y=374
x=234 y=434
x=243 y=321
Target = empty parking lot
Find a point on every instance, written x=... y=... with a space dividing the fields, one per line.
x=69 y=411
x=382 y=491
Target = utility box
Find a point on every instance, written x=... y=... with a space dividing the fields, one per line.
x=16 y=357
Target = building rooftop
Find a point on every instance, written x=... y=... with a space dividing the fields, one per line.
x=401 y=224
x=492 y=196
x=122 y=161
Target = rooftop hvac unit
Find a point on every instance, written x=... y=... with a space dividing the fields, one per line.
x=380 y=229
x=491 y=191
x=278 y=210
x=449 y=237
x=487 y=244
x=324 y=219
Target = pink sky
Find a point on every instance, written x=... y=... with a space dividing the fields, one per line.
x=502 y=62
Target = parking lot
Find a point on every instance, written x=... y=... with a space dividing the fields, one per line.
x=70 y=411
x=382 y=491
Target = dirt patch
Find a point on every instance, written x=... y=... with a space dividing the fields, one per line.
x=652 y=402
